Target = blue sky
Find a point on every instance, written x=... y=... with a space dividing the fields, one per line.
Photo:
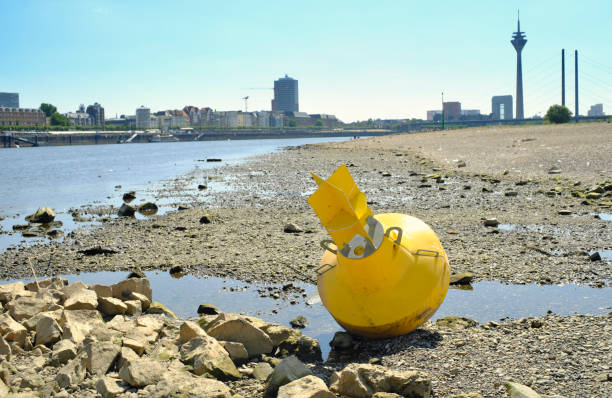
x=355 y=59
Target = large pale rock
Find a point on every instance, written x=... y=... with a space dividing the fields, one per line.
x=288 y=370
x=63 y=351
x=72 y=289
x=48 y=331
x=123 y=290
x=126 y=356
x=189 y=330
x=363 y=380
x=145 y=302
x=262 y=370
x=10 y=290
x=31 y=323
x=278 y=333
x=306 y=387
x=43 y=215
x=102 y=290
x=159 y=308
x=26 y=307
x=12 y=330
x=186 y=386
x=121 y=324
x=142 y=372
x=56 y=282
x=150 y=321
x=209 y=358
x=83 y=299
x=72 y=373
x=78 y=324
x=138 y=346
x=516 y=390
x=236 y=351
x=5 y=348
x=4 y=390
x=165 y=349
x=134 y=307
x=242 y=331
x=108 y=387
x=111 y=306
x=100 y=356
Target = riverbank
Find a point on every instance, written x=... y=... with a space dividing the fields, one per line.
x=552 y=218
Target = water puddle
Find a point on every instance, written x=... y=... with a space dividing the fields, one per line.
x=486 y=301
x=605 y=216
x=507 y=227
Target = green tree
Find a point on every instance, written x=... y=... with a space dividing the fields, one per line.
x=292 y=123
x=319 y=123
x=558 y=114
x=59 y=120
x=48 y=109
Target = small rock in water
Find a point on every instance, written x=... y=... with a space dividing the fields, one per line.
x=129 y=196
x=177 y=271
x=213 y=160
x=491 y=222
x=462 y=278
x=126 y=211
x=208 y=309
x=148 y=209
x=181 y=208
x=299 y=322
x=42 y=216
x=595 y=257
x=292 y=228
x=202 y=187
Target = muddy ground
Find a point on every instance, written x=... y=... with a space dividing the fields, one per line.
x=550 y=187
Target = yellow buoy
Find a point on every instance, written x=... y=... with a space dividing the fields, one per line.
x=383 y=275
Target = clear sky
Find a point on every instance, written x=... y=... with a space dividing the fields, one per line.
x=355 y=59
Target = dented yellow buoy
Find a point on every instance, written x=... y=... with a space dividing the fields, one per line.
x=382 y=275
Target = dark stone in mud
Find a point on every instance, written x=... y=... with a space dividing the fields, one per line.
x=129 y=196
x=511 y=194
x=126 y=211
x=180 y=228
x=536 y=323
x=342 y=341
x=148 y=209
x=21 y=227
x=205 y=220
x=182 y=208
x=176 y=271
x=292 y=228
x=97 y=250
x=299 y=322
x=208 y=309
x=462 y=278
x=55 y=234
x=565 y=212
x=137 y=274
x=213 y=160
x=202 y=187
x=595 y=257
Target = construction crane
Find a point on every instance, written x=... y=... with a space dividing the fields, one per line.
x=246 y=109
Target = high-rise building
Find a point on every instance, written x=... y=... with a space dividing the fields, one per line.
x=96 y=112
x=519 y=41
x=143 y=117
x=431 y=115
x=501 y=107
x=452 y=110
x=285 y=95
x=596 y=110
x=9 y=100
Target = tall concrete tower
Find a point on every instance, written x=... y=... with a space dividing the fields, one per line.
x=519 y=41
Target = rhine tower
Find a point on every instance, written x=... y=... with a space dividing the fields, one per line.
x=519 y=41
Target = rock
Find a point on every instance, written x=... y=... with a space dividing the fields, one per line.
x=4 y=390
x=363 y=380
x=262 y=370
x=124 y=290
x=466 y=395
x=208 y=309
x=299 y=322
x=42 y=216
x=461 y=163
x=603 y=377
x=456 y=322
x=202 y=187
x=288 y=370
x=145 y=302
x=165 y=349
x=305 y=387
x=78 y=324
x=341 y=341
x=112 y=306
x=205 y=220
x=5 y=348
x=593 y=195
x=73 y=373
x=240 y=330
x=595 y=257
x=12 y=330
x=565 y=212
x=491 y=222
x=304 y=347
x=126 y=355
x=63 y=351
x=236 y=351
x=536 y=323
x=31 y=381
x=57 y=283
x=142 y=372
x=129 y=196
x=511 y=194
x=278 y=333
x=462 y=278
x=177 y=271
x=97 y=250
x=134 y=307
x=108 y=387
x=292 y=228
x=159 y=308
x=137 y=345
x=554 y=170
x=190 y=330
x=386 y=395
x=100 y=356
x=209 y=358
x=516 y=390
x=186 y=386
x=48 y=331
x=148 y=208
x=102 y=290
x=9 y=291
x=126 y=211
x=23 y=308
x=82 y=299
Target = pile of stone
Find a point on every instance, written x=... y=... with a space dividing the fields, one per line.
x=60 y=340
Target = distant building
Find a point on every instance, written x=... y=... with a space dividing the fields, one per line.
x=96 y=112
x=286 y=95
x=9 y=100
x=596 y=110
x=323 y=120
x=432 y=114
x=452 y=110
x=245 y=119
x=143 y=117
x=261 y=118
x=501 y=107
x=171 y=119
x=470 y=112
x=22 y=117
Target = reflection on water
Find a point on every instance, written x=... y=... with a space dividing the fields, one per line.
x=487 y=301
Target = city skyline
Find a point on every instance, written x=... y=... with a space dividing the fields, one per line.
x=351 y=59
